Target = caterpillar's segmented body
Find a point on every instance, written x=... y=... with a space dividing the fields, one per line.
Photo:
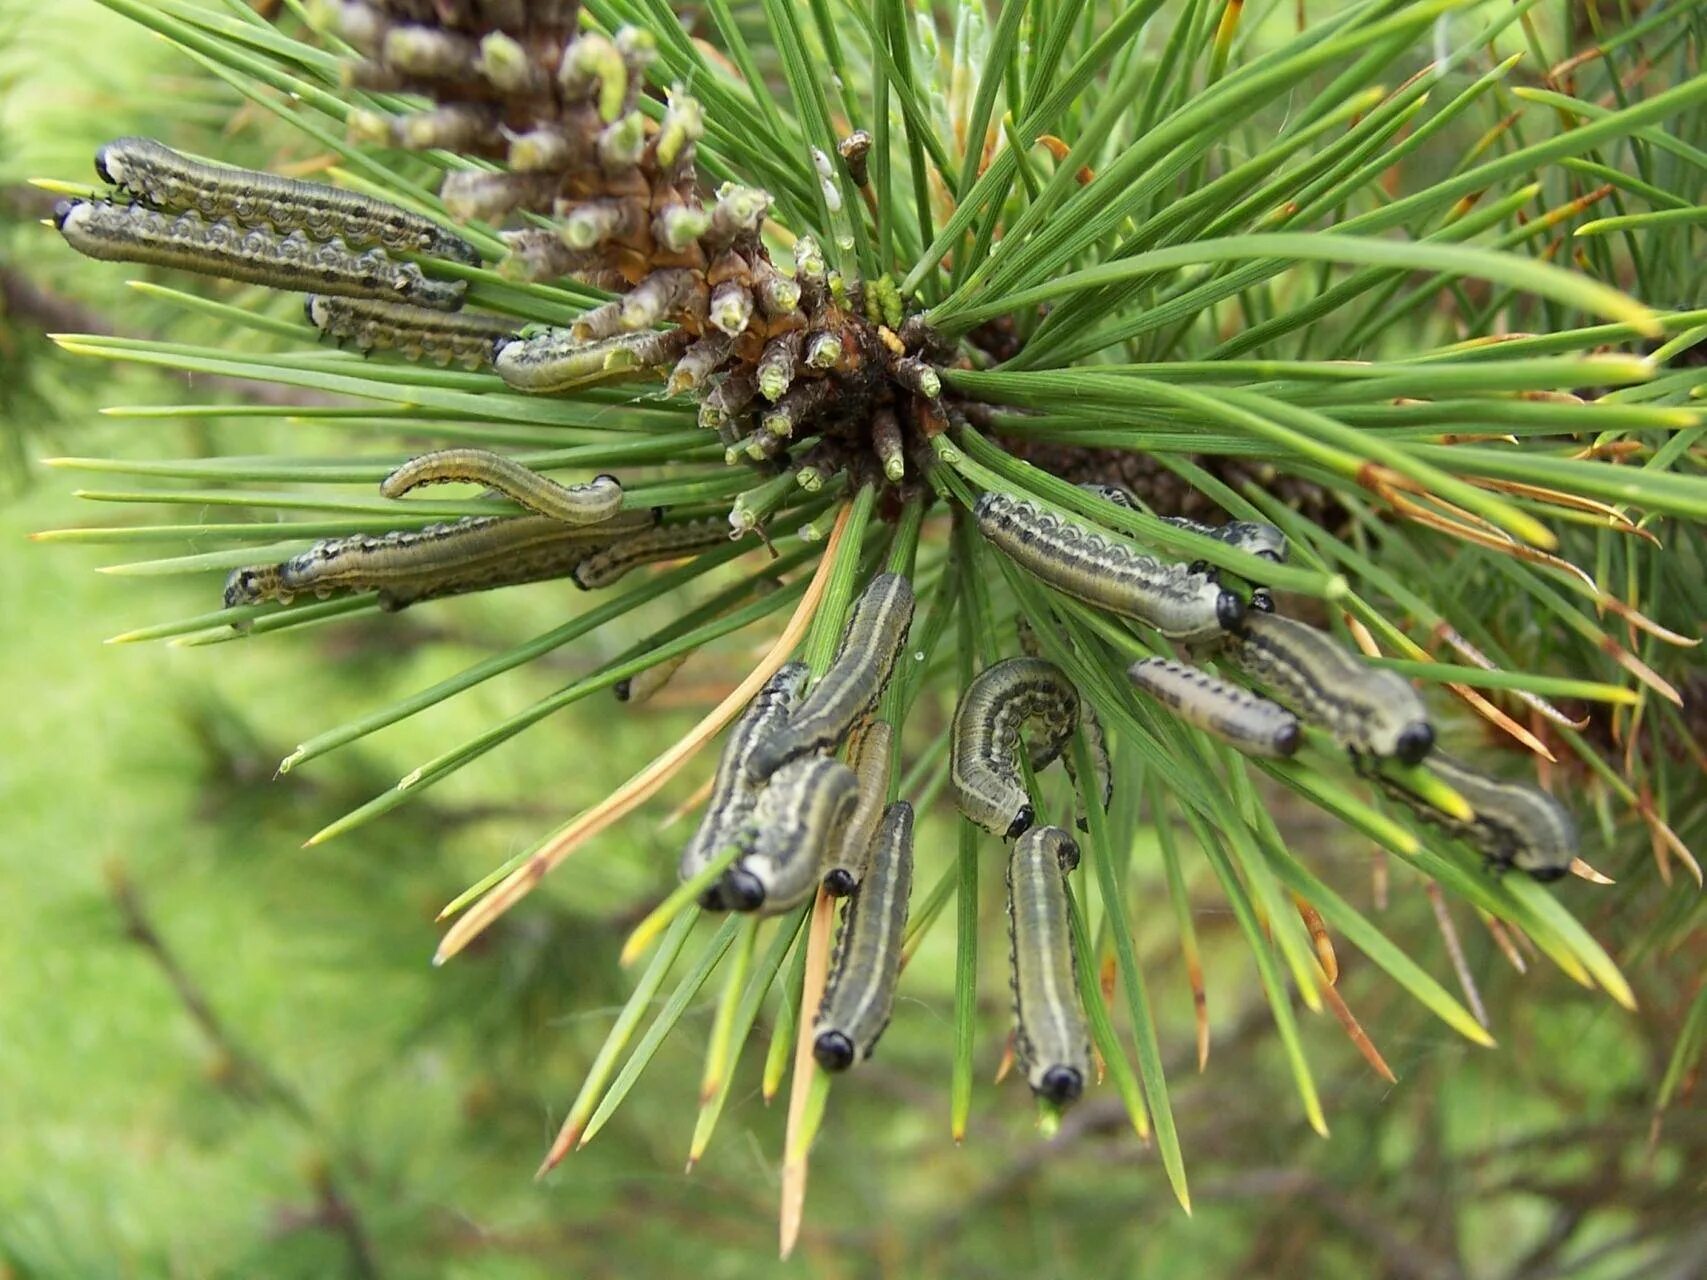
x=649 y=546
x=1515 y=825
x=871 y=642
x=733 y=793
x=860 y=994
x=1181 y=602
x=985 y=740
x=800 y=816
x=1050 y=1036
x=418 y=333
x=595 y=502
x=556 y=360
x=1368 y=711
x=189 y=242
x=1096 y=738
x=158 y=176
x=869 y=758
x=1254 y=725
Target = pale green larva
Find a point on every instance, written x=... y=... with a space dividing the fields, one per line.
x=733 y=793
x=419 y=333
x=1181 y=602
x=1050 y=1036
x=800 y=817
x=594 y=502
x=984 y=744
x=860 y=994
x=156 y=175
x=1368 y=711
x=1254 y=725
x=871 y=642
x=189 y=242
x=1515 y=825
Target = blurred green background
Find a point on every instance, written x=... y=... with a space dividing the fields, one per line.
x=222 y=1054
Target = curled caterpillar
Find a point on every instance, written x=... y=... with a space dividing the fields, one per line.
x=869 y=758
x=986 y=737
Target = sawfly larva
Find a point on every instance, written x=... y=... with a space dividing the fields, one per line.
x=643 y=684
x=1096 y=738
x=417 y=333
x=1254 y=725
x=187 y=241
x=1050 y=1036
x=1515 y=825
x=983 y=771
x=1179 y=601
x=792 y=833
x=594 y=502
x=1368 y=711
x=649 y=546
x=555 y=360
x=868 y=757
x=732 y=791
x=156 y=175
x=860 y=993
x=871 y=642
x=1254 y=536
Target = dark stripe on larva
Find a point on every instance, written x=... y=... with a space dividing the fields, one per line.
x=732 y=793
x=861 y=991
x=489 y=550
x=983 y=768
x=1180 y=602
x=418 y=333
x=1096 y=738
x=794 y=828
x=650 y=546
x=159 y=176
x=1515 y=825
x=868 y=756
x=1254 y=725
x=871 y=642
x=1367 y=710
x=1247 y=535
x=556 y=361
x=119 y=233
x=1050 y=1036
x=594 y=502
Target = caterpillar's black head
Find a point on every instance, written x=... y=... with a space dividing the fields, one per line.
x=1546 y=875
x=839 y=882
x=1060 y=1084
x=1229 y=611
x=742 y=890
x=1068 y=854
x=101 y=169
x=1415 y=741
x=1287 y=739
x=834 y=1051
x=1021 y=823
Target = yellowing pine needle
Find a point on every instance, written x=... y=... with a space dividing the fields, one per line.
x=1319 y=939
x=647 y=782
x=1584 y=871
x=797 y=1143
x=1357 y=1035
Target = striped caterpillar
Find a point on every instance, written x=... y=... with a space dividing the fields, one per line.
x=1254 y=725
x=871 y=642
x=1179 y=601
x=443 y=559
x=1050 y=1037
x=799 y=819
x=557 y=361
x=861 y=990
x=649 y=546
x=1515 y=825
x=1096 y=738
x=156 y=175
x=465 y=338
x=732 y=792
x=594 y=502
x=869 y=757
x=986 y=737
x=187 y=241
x=1367 y=710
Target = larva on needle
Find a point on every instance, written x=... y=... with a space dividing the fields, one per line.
x=985 y=739
x=868 y=757
x=594 y=502
x=465 y=338
x=867 y=961
x=1515 y=825
x=1254 y=725
x=800 y=817
x=1051 y=1040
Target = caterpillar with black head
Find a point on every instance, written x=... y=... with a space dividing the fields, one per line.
x=594 y=502
x=1368 y=711
x=985 y=739
x=1181 y=602
x=871 y=642
x=156 y=175
x=465 y=338
x=791 y=834
x=1096 y=738
x=189 y=242
x=1514 y=824
x=733 y=793
x=869 y=758
x=649 y=546
x=1050 y=1036
x=861 y=991
x=1254 y=725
